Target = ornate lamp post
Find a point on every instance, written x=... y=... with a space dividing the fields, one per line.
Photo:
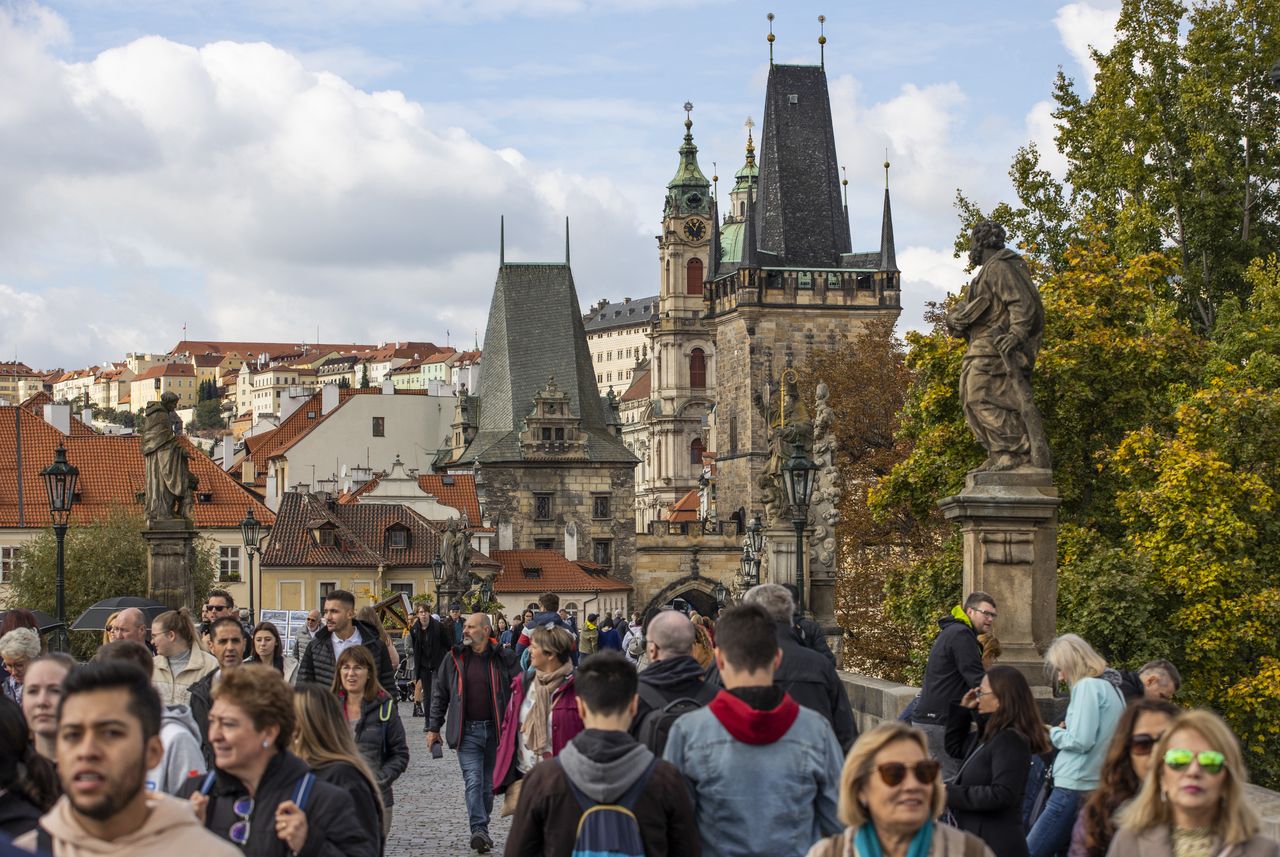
x=60 y=482
x=755 y=535
x=250 y=529
x=437 y=573
x=719 y=593
x=798 y=478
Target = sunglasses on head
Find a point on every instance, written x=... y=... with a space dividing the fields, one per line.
x=1142 y=744
x=1211 y=761
x=893 y=773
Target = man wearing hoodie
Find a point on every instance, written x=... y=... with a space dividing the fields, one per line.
x=179 y=734
x=953 y=669
x=604 y=765
x=550 y=615
x=108 y=737
x=672 y=672
x=753 y=736
x=341 y=630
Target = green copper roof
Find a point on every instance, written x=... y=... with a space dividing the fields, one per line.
x=749 y=169
x=688 y=175
x=731 y=243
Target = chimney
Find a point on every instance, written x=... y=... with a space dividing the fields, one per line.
x=228 y=450
x=328 y=398
x=388 y=388
x=505 y=535
x=58 y=416
x=86 y=416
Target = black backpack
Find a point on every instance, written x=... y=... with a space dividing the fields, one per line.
x=656 y=724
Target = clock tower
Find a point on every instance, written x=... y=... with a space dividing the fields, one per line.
x=682 y=370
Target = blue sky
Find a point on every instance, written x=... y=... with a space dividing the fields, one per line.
x=266 y=169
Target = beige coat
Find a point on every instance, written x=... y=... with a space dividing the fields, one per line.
x=171 y=828
x=947 y=842
x=176 y=689
x=1155 y=842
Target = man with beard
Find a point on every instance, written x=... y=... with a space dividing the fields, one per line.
x=108 y=736
x=228 y=648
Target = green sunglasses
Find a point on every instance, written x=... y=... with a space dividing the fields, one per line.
x=1211 y=761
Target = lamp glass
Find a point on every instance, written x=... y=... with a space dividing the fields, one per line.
x=249 y=530
x=60 y=484
x=437 y=569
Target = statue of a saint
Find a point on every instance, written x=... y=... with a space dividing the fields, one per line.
x=790 y=431
x=170 y=485
x=455 y=552
x=1003 y=319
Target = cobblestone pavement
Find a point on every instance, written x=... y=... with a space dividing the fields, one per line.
x=430 y=815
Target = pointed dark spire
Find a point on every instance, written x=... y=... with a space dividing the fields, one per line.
x=888 y=255
x=715 y=239
x=749 y=239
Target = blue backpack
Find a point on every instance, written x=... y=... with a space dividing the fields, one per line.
x=610 y=829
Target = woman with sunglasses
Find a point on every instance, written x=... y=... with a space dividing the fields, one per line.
x=1128 y=759
x=1192 y=802
x=890 y=794
x=267 y=649
x=1082 y=740
x=374 y=720
x=259 y=795
x=986 y=795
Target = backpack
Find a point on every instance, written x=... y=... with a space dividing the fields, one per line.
x=656 y=724
x=610 y=828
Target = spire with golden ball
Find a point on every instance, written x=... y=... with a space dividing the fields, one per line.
x=770 y=38
x=822 y=40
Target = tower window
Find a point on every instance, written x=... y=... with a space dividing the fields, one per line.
x=697 y=369
x=695 y=452
x=542 y=506
x=693 y=277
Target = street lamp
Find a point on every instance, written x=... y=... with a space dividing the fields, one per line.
x=748 y=566
x=798 y=475
x=437 y=572
x=60 y=482
x=250 y=528
x=718 y=593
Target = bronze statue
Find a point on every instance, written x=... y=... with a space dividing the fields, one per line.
x=790 y=432
x=1003 y=319
x=170 y=489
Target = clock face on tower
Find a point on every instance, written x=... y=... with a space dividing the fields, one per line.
x=695 y=229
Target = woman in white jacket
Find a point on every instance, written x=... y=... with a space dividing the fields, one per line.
x=180 y=662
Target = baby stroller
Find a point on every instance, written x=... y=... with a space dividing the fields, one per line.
x=404 y=678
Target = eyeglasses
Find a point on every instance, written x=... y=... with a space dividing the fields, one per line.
x=216 y=607
x=988 y=614
x=1211 y=761
x=239 y=833
x=1142 y=744
x=893 y=773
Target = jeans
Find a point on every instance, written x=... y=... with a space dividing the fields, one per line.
x=937 y=735
x=477 y=754
x=1052 y=831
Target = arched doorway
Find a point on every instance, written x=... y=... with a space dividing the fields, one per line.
x=695 y=599
x=691 y=591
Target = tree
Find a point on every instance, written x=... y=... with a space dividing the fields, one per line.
x=364 y=376
x=104 y=559
x=208 y=415
x=207 y=390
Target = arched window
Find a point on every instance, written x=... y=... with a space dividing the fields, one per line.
x=697 y=369
x=693 y=277
x=695 y=452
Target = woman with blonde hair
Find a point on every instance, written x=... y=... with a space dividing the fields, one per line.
x=369 y=613
x=106 y=629
x=322 y=740
x=179 y=662
x=1192 y=801
x=1082 y=739
x=891 y=792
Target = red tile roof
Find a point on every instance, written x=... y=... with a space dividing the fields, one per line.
x=246 y=349
x=641 y=385
x=555 y=574
x=168 y=370
x=35 y=405
x=461 y=494
x=687 y=508
x=112 y=472
x=208 y=361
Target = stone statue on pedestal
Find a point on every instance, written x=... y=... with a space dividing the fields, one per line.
x=455 y=551
x=170 y=487
x=1002 y=318
x=824 y=504
x=790 y=431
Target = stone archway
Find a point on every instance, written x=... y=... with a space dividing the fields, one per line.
x=696 y=591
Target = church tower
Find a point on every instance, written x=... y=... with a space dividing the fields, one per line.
x=682 y=368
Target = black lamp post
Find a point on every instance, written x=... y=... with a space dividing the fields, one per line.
x=60 y=482
x=250 y=528
x=437 y=572
x=748 y=565
x=798 y=480
x=755 y=533
x=719 y=593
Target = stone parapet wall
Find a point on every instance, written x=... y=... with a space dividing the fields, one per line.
x=875 y=700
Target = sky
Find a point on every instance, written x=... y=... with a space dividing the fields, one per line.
x=334 y=170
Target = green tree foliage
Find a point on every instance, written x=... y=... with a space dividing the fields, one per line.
x=208 y=415
x=104 y=559
x=207 y=391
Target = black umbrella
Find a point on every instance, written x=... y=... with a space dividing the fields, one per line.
x=95 y=618
x=43 y=620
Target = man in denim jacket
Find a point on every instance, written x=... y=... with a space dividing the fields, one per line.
x=751 y=740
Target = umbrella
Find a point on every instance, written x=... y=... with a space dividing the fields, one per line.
x=43 y=620
x=95 y=618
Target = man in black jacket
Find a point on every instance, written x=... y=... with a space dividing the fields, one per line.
x=227 y=635
x=953 y=669
x=430 y=643
x=807 y=676
x=468 y=698
x=672 y=672
x=342 y=630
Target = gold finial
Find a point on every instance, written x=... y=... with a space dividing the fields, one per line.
x=770 y=37
x=886 y=169
x=822 y=40
x=688 y=120
x=844 y=186
x=715 y=179
x=751 y=146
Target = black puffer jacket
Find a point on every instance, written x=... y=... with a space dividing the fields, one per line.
x=318 y=664
x=381 y=739
x=332 y=827
x=811 y=680
x=447 y=703
x=358 y=789
x=953 y=669
x=201 y=701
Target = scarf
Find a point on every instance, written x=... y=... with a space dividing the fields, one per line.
x=537 y=737
x=867 y=844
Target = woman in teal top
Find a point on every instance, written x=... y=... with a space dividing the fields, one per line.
x=1082 y=740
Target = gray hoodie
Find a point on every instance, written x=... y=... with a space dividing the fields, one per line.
x=603 y=764
x=182 y=757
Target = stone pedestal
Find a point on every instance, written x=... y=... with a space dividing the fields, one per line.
x=171 y=558
x=1009 y=520
x=780 y=567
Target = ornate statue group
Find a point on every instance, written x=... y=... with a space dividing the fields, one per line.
x=790 y=432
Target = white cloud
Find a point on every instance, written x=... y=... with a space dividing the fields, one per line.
x=929 y=275
x=1042 y=130
x=237 y=189
x=1086 y=25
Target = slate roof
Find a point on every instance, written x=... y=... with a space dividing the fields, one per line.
x=535 y=333
x=112 y=473
x=801 y=218
x=621 y=314
x=555 y=574
x=361 y=536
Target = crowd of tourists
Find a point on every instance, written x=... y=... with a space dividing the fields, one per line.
x=670 y=735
